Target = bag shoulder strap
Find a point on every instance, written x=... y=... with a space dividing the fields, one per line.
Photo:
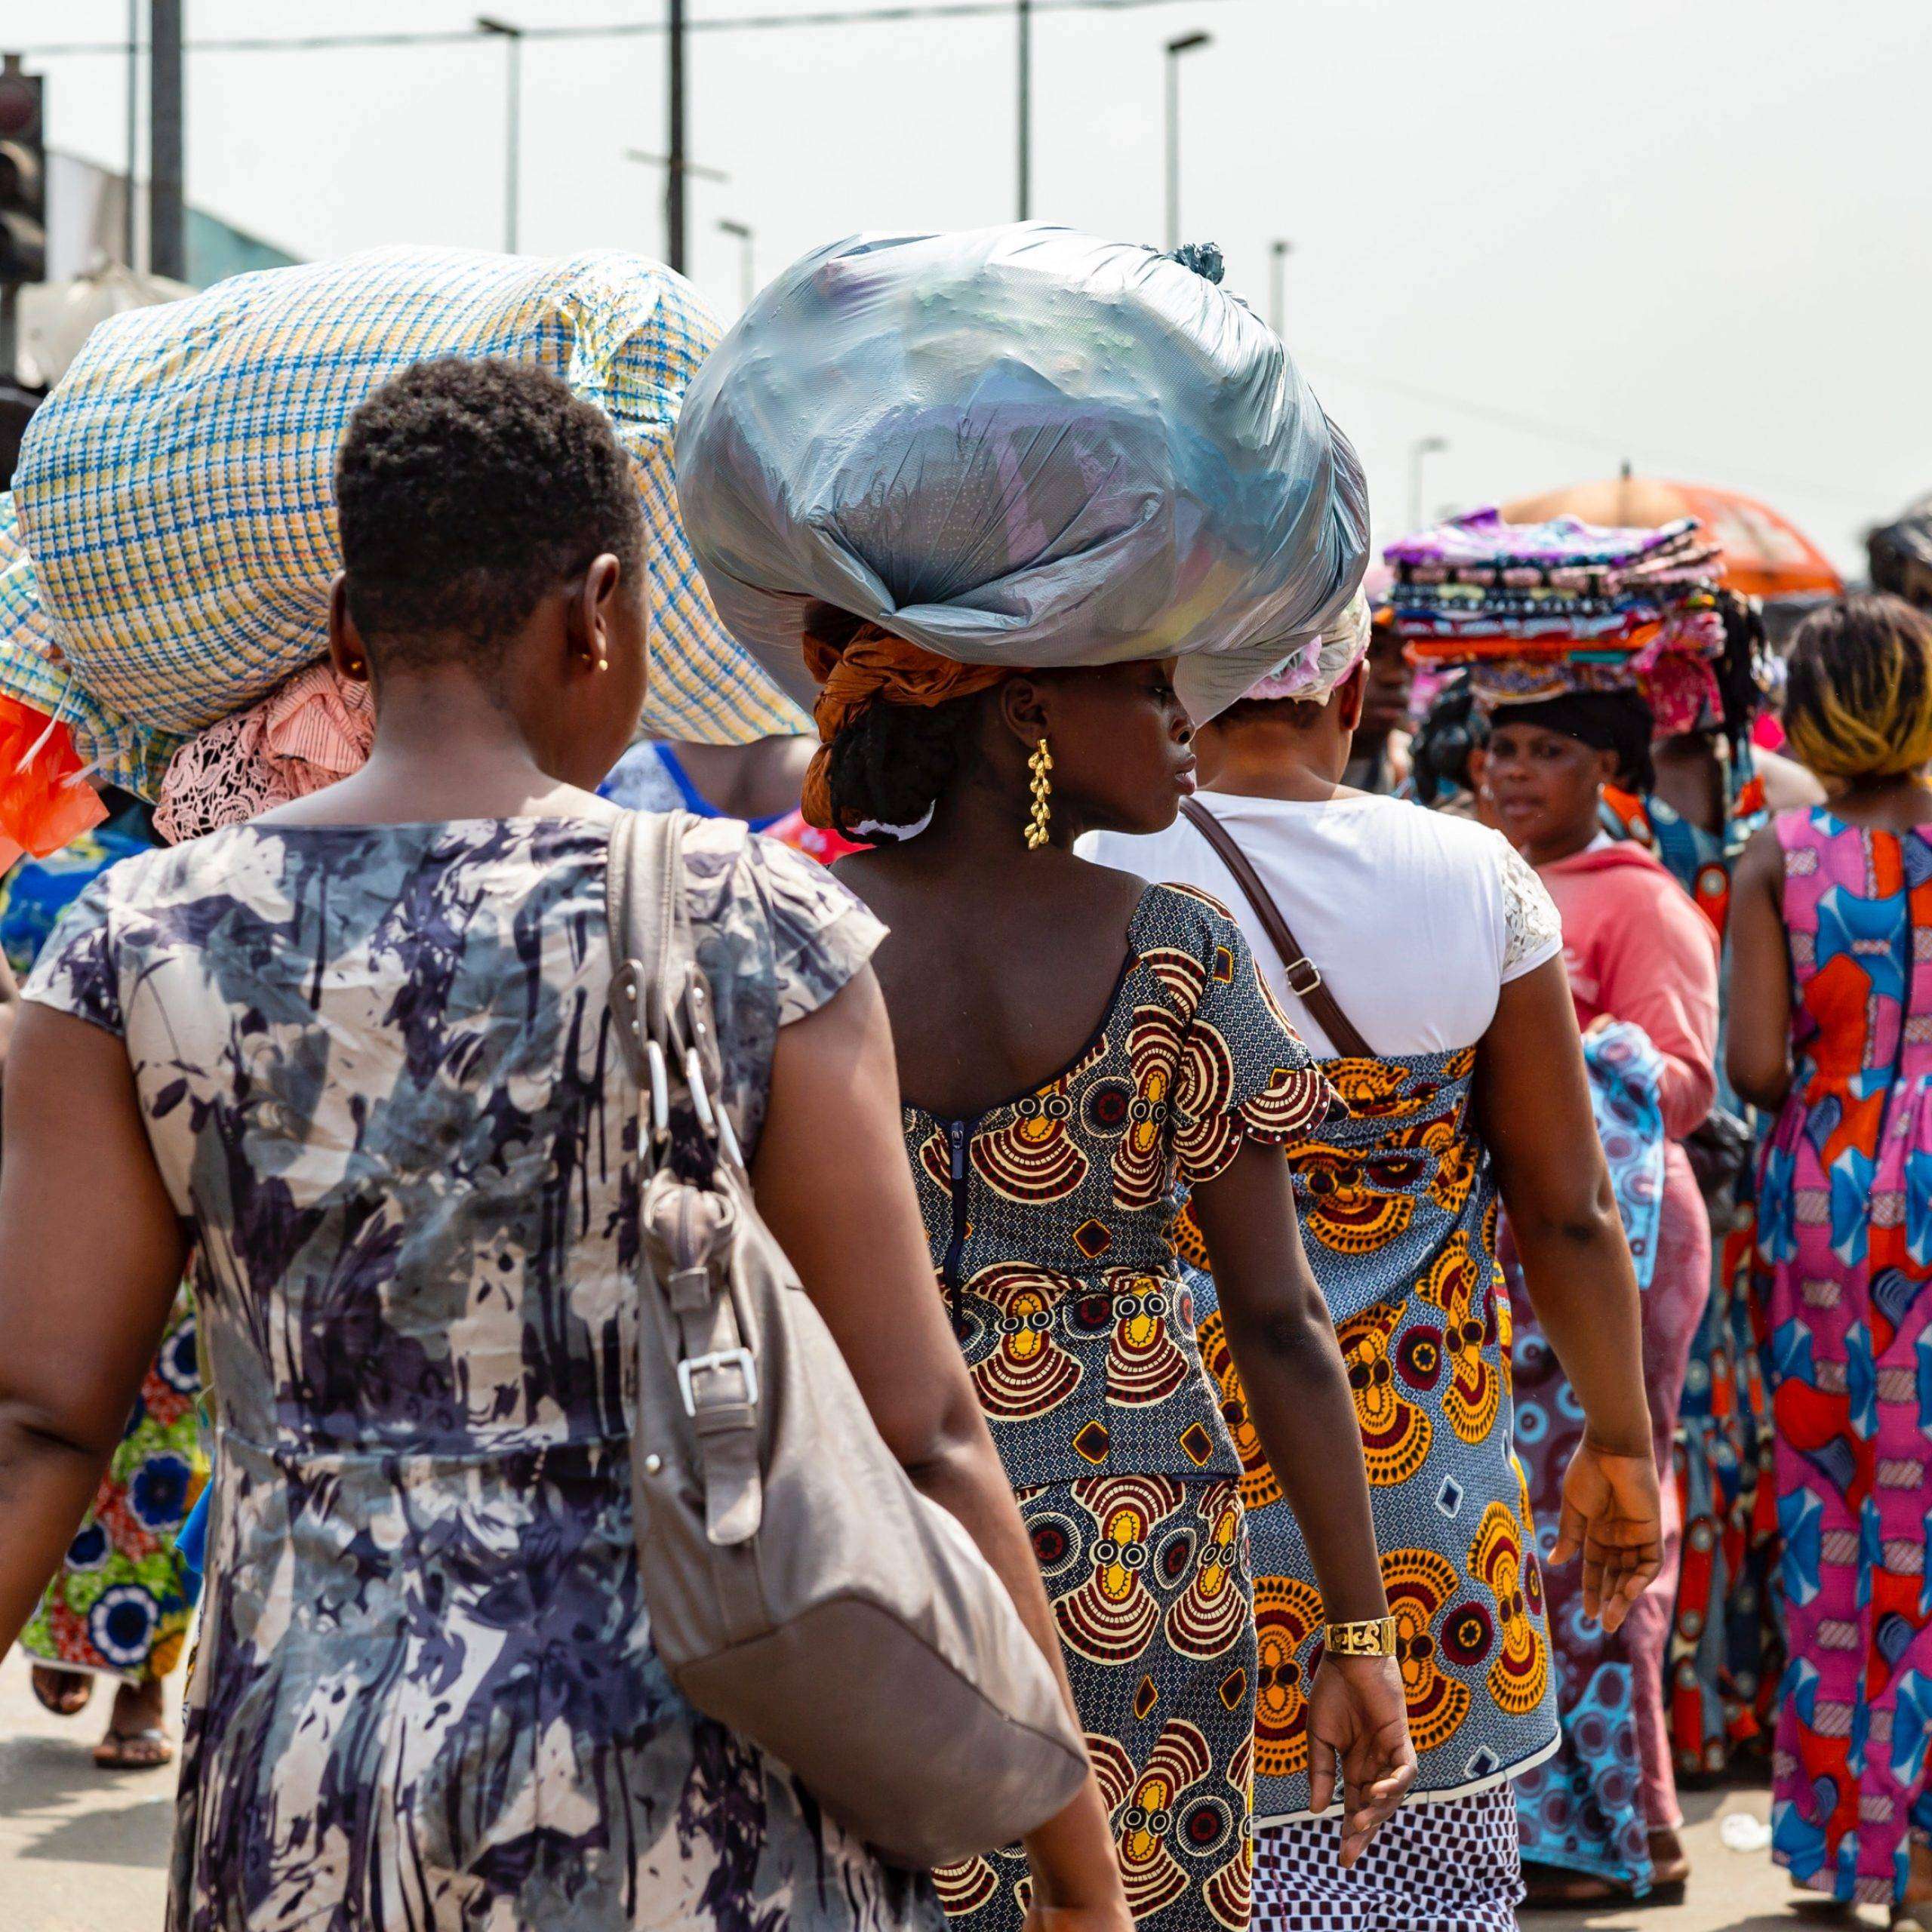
x=661 y=1003
x=1303 y=976
x=642 y=908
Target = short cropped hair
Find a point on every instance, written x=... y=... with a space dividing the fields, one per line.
x=465 y=491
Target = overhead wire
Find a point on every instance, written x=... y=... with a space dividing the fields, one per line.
x=911 y=11
x=1524 y=423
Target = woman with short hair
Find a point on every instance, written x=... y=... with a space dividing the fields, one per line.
x=358 y=1055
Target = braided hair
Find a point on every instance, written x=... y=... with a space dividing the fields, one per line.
x=1740 y=694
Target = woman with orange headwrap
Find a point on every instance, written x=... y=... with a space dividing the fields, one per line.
x=1017 y=506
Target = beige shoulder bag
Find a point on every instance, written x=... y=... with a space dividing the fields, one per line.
x=801 y=1590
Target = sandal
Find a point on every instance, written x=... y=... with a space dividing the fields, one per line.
x=1669 y=1876
x=65 y=1693
x=1820 y=1908
x=1557 y=1888
x=1915 y=1917
x=1554 y=1888
x=144 y=1750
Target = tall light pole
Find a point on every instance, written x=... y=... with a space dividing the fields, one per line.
x=675 y=167
x=1278 y=274
x=1182 y=44
x=167 y=223
x=1025 y=23
x=134 y=132
x=1423 y=447
x=513 y=132
x=741 y=233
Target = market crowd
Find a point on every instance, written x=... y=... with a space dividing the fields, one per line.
x=1355 y=1132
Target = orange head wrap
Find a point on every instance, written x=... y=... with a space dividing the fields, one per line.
x=874 y=667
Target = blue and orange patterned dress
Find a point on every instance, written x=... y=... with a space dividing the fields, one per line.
x=1050 y=1220
x=380 y=1080
x=120 y=1605
x=1844 y=1241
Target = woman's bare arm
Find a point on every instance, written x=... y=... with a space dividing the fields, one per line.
x=90 y=1259
x=1283 y=1338
x=1757 y=1053
x=1532 y=1109
x=834 y=1186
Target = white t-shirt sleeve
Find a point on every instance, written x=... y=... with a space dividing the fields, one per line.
x=1532 y=927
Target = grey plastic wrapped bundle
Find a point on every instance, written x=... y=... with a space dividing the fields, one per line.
x=1020 y=446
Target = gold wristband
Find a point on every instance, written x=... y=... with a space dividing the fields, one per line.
x=1374 y=1637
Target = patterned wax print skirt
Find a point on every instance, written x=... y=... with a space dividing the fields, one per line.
x=1451 y=1866
x=1148 y=1580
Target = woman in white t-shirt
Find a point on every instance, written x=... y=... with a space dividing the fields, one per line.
x=1458 y=1052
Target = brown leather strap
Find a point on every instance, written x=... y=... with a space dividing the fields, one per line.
x=1303 y=976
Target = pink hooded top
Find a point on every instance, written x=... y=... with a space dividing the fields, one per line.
x=1637 y=949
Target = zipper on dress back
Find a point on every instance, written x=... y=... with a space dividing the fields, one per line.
x=956 y=1135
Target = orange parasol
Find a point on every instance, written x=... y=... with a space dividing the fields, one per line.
x=1764 y=555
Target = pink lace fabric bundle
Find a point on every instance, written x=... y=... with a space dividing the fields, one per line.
x=308 y=732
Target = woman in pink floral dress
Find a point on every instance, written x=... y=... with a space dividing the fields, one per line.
x=1831 y=1028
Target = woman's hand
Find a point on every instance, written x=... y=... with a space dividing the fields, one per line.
x=1358 y=1722
x=1612 y=1512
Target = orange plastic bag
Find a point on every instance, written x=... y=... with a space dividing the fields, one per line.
x=44 y=802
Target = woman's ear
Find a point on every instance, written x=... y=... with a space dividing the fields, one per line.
x=1354 y=689
x=346 y=651
x=1022 y=710
x=587 y=619
x=1609 y=771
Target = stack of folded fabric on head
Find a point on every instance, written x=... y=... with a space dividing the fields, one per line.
x=167 y=551
x=1535 y=610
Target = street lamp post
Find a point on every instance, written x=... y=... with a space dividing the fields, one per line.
x=134 y=132
x=741 y=233
x=676 y=167
x=1025 y=23
x=1182 y=44
x=513 y=137
x=1423 y=447
x=1278 y=299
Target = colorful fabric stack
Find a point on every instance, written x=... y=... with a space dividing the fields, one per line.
x=1537 y=609
x=166 y=554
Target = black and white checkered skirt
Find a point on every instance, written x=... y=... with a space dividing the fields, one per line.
x=1450 y=1867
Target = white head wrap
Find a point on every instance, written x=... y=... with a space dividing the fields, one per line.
x=1341 y=647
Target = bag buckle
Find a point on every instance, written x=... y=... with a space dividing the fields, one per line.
x=1301 y=989
x=741 y=1359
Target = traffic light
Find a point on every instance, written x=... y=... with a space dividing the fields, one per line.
x=23 y=178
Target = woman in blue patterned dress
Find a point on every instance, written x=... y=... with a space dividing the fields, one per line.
x=359 y=1051
x=1457 y=1052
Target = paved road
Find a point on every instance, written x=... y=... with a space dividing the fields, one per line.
x=84 y=1851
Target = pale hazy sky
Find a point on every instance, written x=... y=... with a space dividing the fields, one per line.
x=1696 y=233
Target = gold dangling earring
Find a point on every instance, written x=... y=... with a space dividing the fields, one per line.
x=1040 y=764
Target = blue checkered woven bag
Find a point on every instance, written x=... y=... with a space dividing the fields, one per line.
x=166 y=556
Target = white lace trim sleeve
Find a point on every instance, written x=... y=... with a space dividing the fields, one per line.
x=1533 y=928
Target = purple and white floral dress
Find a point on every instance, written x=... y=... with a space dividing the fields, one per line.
x=380 y=1082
